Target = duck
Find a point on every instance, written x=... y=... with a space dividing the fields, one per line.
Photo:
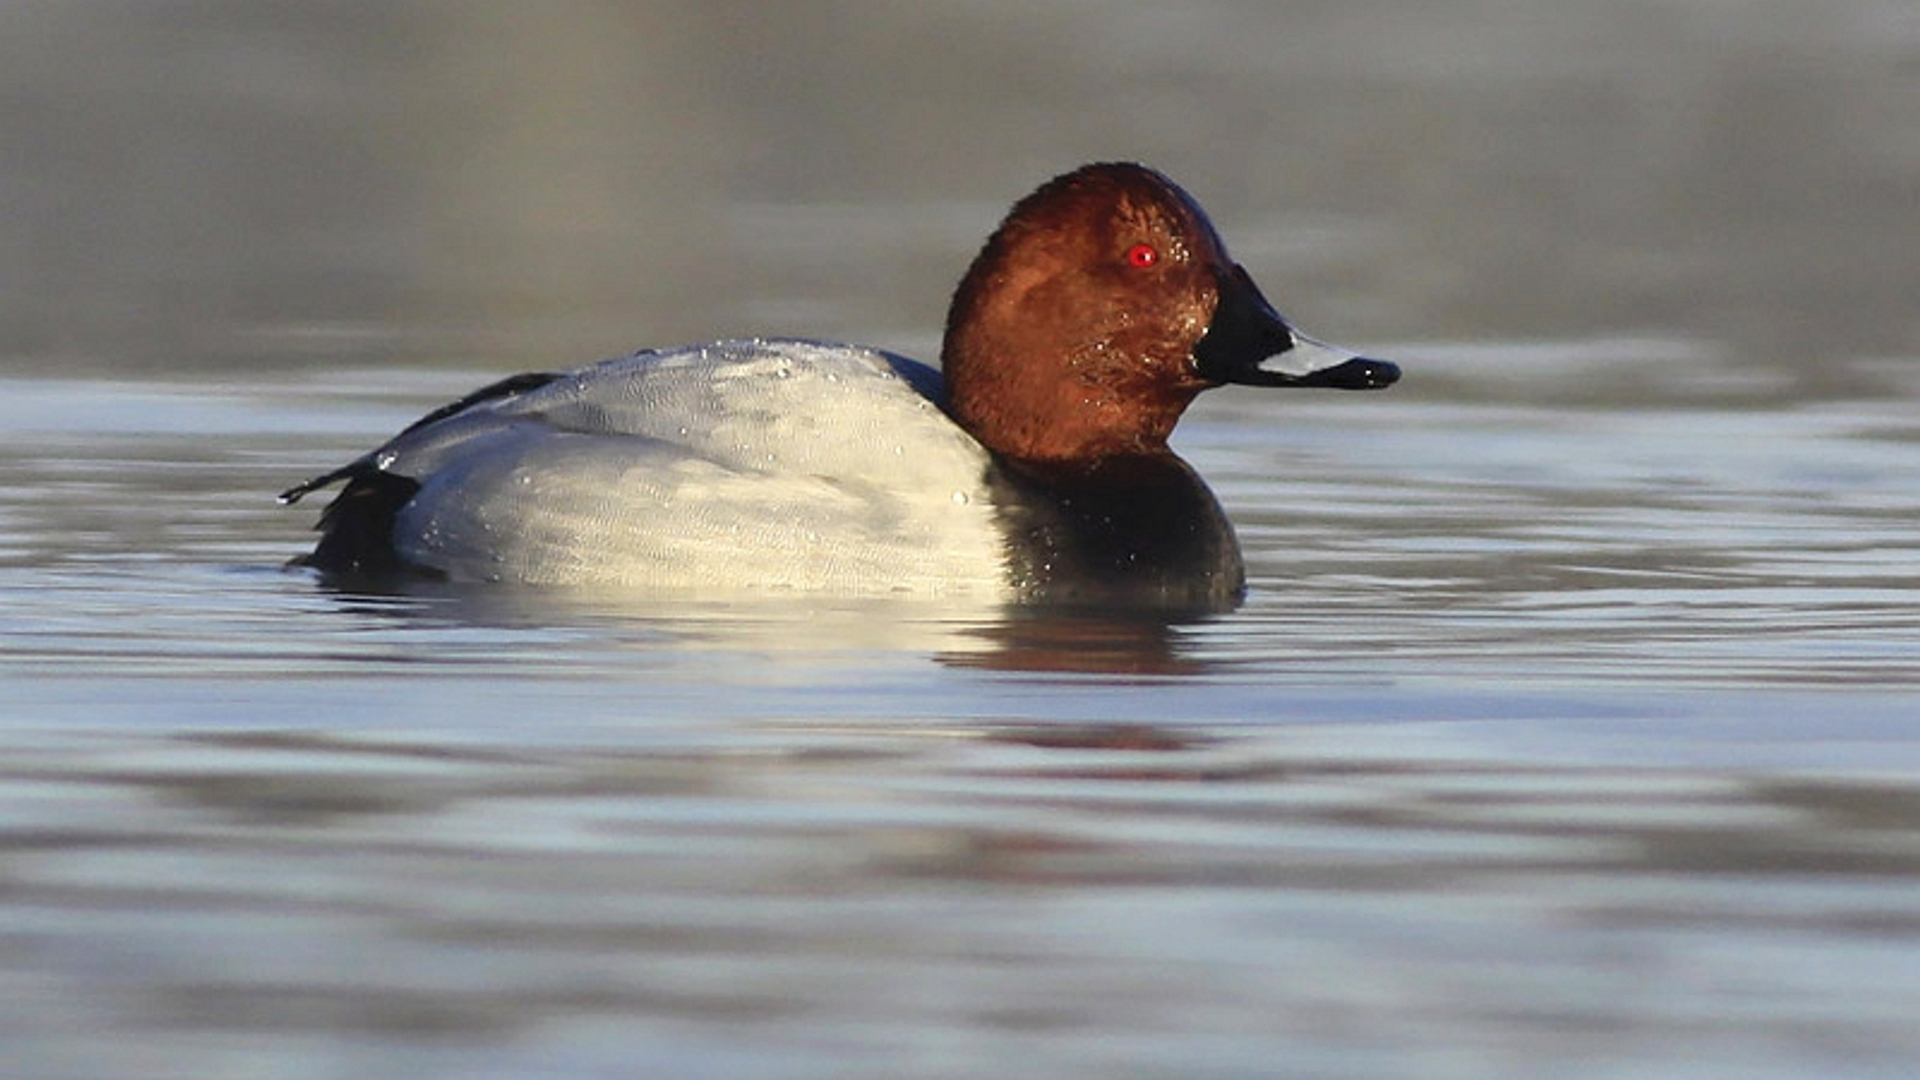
x=1031 y=467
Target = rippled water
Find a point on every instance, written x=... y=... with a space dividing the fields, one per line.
x=1571 y=726
x=1575 y=735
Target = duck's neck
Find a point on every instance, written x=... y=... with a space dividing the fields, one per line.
x=1026 y=413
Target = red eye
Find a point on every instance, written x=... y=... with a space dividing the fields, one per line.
x=1141 y=256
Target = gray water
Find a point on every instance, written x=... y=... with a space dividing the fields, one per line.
x=1571 y=726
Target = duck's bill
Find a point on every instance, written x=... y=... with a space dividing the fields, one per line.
x=1316 y=363
x=1249 y=343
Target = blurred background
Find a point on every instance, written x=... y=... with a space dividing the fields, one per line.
x=211 y=186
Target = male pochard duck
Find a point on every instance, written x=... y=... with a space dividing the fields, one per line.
x=1037 y=470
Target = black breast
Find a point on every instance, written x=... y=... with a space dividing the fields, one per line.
x=1130 y=530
